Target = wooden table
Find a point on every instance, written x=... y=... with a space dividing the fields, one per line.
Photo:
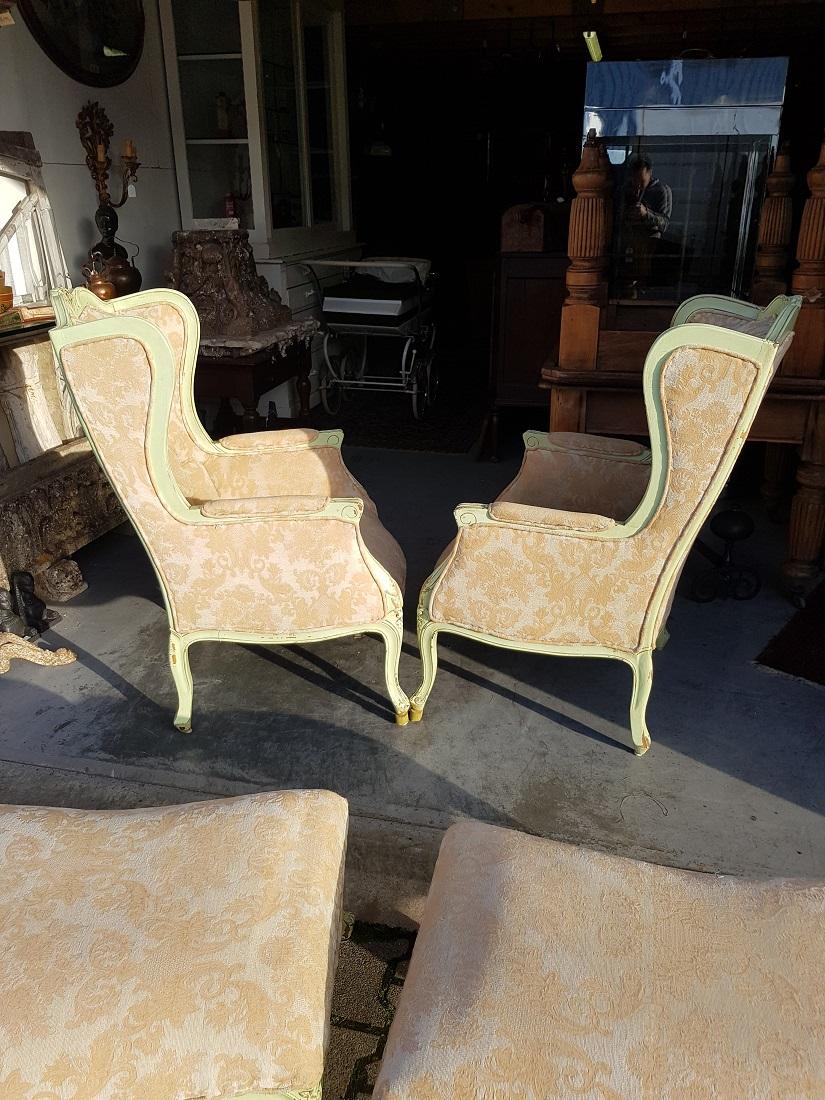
x=246 y=367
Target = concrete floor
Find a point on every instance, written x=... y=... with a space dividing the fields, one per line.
x=734 y=781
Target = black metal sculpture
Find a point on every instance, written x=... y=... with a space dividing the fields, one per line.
x=28 y=605
x=10 y=621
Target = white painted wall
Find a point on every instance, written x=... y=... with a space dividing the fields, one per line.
x=35 y=95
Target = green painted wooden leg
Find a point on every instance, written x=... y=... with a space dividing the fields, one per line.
x=182 y=675
x=428 y=647
x=642 y=666
x=392 y=631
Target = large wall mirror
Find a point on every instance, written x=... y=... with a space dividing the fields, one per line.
x=95 y=43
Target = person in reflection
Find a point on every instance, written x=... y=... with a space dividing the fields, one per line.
x=648 y=208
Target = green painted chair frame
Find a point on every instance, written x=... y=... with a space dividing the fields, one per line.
x=764 y=353
x=69 y=306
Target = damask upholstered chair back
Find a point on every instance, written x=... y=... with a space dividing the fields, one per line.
x=260 y=538
x=706 y=398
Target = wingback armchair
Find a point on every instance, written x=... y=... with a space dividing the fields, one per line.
x=581 y=553
x=264 y=537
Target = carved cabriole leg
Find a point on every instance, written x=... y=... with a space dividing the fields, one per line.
x=391 y=630
x=14 y=648
x=428 y=648
x=777 y=469
x=182 y=675
x=642 y=666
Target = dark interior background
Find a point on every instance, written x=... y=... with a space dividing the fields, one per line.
x=481 y=114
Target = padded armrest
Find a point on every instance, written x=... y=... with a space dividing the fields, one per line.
x=752 y=326
x=505 y=512
x=287 y=440
x=733 y=307
x=263 y=506
x=595 y=446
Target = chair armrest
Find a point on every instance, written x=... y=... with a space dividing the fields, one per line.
x=717 y=302
x=531 y=516
x=290 y=439
x=591 y=446
x=550 y=520
x=283 y=507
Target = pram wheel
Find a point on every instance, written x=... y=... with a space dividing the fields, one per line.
x=332 y=391
x=425 y=384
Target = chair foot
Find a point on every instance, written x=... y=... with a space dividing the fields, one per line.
x=402 y=718
x=640 y=750
x=416 y=713
x=183 y=725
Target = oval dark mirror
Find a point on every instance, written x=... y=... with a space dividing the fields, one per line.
x=96 y=42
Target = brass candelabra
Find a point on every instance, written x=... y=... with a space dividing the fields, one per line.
x=108 y=258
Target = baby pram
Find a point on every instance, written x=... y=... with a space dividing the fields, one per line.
x=374 y=300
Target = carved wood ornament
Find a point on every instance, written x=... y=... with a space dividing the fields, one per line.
x=216 y=269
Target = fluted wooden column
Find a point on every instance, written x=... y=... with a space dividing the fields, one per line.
x=774 y=241
x=588 y=246
x=770 y=278
x=807 y=358
x=587 y=242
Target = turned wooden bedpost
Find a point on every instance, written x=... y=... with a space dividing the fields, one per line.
x=806 y=357
x=588 y=246
x=774 y=241
x=770 y=278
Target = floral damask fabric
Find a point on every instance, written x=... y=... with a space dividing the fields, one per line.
x=169 y=954
x=553 y=588
x=264 y=576
x=544 y=971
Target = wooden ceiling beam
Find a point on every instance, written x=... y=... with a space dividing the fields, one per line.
x=388 y=12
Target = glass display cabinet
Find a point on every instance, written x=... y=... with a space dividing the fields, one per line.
x=690 y=143
x=257 y=94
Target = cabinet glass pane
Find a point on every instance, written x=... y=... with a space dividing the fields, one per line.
x=319 y=124
x=213 y=99
x=684 y=217
x=216 y=173
x=281 y=114
x=207 y=26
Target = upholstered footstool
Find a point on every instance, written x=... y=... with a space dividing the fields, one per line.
x=169 y=954
x=544 y=971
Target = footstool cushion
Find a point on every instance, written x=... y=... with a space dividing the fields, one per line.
x=169 y=954
x=544 y=971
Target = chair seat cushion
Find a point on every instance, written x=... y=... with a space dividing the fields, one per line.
x=545 y=972
x=168 y=954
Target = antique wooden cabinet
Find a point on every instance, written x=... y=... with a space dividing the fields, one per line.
x=595 y=382
x=529 y=294
x=257 y=95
